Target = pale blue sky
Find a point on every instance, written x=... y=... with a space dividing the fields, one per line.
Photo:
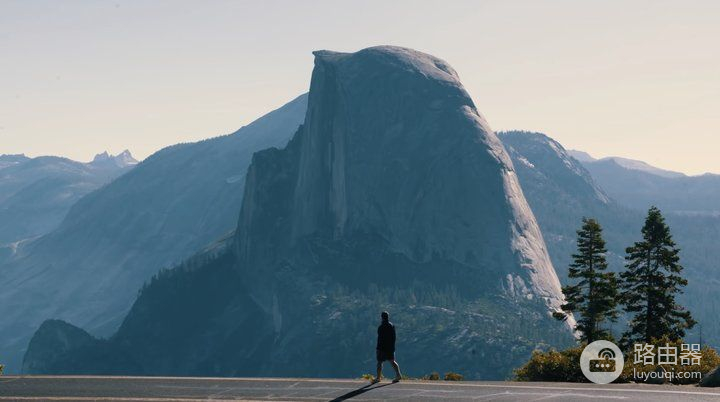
x=639 y=79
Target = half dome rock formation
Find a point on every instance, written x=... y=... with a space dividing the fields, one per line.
x=393 y=195
x=393 y=146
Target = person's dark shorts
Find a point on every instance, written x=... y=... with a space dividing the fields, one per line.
x=383 y=355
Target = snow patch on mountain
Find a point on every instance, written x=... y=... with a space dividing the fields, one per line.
x=526 y=162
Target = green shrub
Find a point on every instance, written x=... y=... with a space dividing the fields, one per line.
x=434 y=376
x=368 y=377
x=553 y=365
x=564 y=365
x=450 y=376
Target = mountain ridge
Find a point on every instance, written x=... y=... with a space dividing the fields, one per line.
x=112 y=240
x=123 y=159
x=640 y=189
x=36 y=193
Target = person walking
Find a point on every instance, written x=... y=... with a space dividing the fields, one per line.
x=385 y=350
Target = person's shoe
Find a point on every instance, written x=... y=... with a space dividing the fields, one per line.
x=397 y=379
x=375 y=381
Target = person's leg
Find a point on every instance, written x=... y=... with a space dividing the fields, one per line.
x=397 y=369
x=379 y=370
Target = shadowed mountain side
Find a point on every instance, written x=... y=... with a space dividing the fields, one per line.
x=113 y=240
x=199 y=319
x=561 y=191
x=37 y=193
x=689 y=195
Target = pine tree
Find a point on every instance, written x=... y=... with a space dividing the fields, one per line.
x=650 y=283
x=594 y=297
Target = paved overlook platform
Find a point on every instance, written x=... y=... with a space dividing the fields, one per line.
x=162 y=389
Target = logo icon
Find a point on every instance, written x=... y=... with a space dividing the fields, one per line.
x=601 y=362
x=605 y=363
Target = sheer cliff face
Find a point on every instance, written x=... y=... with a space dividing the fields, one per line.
x=394 y=147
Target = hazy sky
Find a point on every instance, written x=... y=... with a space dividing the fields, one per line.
x=639 y=79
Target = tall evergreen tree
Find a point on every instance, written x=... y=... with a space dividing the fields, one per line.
x=594 y=297
x=650 y=283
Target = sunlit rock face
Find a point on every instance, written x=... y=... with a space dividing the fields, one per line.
x=393 y=146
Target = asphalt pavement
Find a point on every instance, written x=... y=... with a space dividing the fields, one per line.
x=162 y=389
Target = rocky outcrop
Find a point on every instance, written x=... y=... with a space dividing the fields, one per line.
x=52 y=342
x=711 y=379
x=561 y=192
x=393 y=146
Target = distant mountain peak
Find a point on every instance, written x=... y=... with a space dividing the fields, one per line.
x=544 y=155
x=101 y=157
x=12 y=156
x=626 y=163
x=123 y=159
x=11 y=159
x=581 y=155
x=126 y=158
x=634 y=164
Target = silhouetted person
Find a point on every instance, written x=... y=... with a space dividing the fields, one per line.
x=385 y=349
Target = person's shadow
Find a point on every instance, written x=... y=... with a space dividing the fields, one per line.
x=359 y=391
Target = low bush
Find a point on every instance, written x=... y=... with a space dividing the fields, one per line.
x=434 y=376
x=450 y=376
x=564 y=366
x=553 y=365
